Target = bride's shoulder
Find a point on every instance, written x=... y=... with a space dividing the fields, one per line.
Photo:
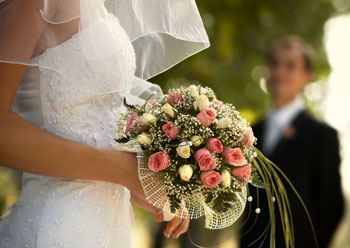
x=22 y=24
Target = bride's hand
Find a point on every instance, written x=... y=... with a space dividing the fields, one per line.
x=175 y=227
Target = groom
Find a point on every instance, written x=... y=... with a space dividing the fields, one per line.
x=305 y=149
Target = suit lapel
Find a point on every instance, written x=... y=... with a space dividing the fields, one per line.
x=289 y=135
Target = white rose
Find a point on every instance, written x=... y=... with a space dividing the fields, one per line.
x=224 y=122
x=226 y=178
x=148 y=118
x=184 y=150
x=186 y=172
x=196 y=140
x=194 y=91
x=202 y=102
x=169 y=110
x=144 y=139
x=195 y=107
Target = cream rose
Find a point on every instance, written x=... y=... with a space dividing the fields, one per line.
x=194 y=91
x=202 y=102
x=226 y=178
x=186 y=172
x=184 y=150
x=144 y=138
x=148 y=118
x=169 y=110
x=196 y=140
x=224 y=122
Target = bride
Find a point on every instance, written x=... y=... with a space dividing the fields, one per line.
x=65 y=66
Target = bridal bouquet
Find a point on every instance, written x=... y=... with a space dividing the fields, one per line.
x=197 y=154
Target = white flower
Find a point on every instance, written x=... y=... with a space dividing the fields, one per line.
x=202 y=102
x=186 y=172
x=148 y=118
x=148 y=107
x=224 y=122
x=184 y=150
x=226 y=178
x=194 y=91
x=144 y=138
x=195 y=105
x=169 y=110
x=196 y=140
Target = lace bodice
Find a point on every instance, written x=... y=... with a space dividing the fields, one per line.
x=79 y=105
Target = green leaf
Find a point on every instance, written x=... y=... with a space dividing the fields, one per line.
x=122 y=140
x=129 y=106
x=256 y=181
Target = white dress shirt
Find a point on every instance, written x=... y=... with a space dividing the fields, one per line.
x=277 y=120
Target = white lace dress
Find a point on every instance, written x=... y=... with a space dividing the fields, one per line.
x=58 y=212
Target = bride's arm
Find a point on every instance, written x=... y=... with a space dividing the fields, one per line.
x=26 y=147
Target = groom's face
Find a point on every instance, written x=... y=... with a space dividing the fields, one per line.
x=288 y=73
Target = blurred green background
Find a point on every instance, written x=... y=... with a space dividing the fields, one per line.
x=240 y=31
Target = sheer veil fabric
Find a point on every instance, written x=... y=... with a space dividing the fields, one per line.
x=163 y=33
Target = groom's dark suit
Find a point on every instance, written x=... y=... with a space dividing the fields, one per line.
x=309 y=155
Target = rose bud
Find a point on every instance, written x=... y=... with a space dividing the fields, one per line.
x=194 y=91
x=184 y=150
x=129 y=123
x=224 y=122
x=205 y=160
x=169 y=110
x=243 y=172
x=215 y=145
x=171 y=131
x=234 y=156
x=217 y=103
x=210 y=178
x=202 y=102
x=174 y=97
x=196 y=140
x=248 y=137
x=148 y=118
x=186 y=172
x=226 y=178
x=158 y=161
x=206 y=116
x=144 y=139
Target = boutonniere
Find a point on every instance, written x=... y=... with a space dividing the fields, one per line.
x=289 y=132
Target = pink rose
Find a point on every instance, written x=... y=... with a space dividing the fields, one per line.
x=130 y=121
x=174 y=97
x=234 y=156
x=210 y=178
x=171 y=131
x=158 y=161
x=151 y=101
x=215 y=145
x=206 y=116
x=243 y=172
x=217 y=103
x=205 y=160
x=248 y=137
